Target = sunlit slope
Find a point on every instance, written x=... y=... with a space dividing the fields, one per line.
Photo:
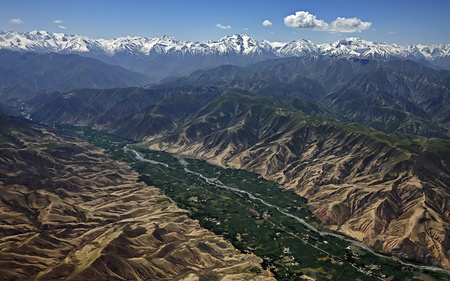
x=385 y=190
x=378 y=188
x=70 y=213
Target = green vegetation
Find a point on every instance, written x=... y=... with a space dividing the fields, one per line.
x=256 y=216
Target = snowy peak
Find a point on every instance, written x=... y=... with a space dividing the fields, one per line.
x=298 y=48
x=42 y=41
x=140 y=45
x=357 y=47
x=238 y=45
x=353 y=42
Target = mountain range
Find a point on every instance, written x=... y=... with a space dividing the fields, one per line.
x=388 y=190
x=24 y=74
x=390 y=95
x=358 y=128
x=163 y=57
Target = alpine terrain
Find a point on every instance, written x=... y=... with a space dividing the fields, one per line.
x=360 y=130
x=165 y=56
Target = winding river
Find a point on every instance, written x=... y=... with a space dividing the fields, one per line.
x=213 y=182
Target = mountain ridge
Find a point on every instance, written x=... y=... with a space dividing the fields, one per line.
x=24 y=74
x=177 y=58
x=42 y=41
x=393 y=95
x=69 y=212
x=360 y=181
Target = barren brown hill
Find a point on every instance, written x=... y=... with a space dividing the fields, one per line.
x=70 y=213
x=290 y=121
x=389 y=192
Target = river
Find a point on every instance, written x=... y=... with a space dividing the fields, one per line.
x=213 y=182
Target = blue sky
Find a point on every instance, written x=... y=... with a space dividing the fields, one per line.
x=395 y=21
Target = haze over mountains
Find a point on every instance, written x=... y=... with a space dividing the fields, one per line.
x=22 y=75
x=359 y=128
x=165 y=56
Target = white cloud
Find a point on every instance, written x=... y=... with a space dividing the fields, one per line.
x=303 y=19
x=58 y=21
x=16 y=21
x=267 y=23
x=348 y=25
x=223 y=26
x=62 y=26
x=246 y=28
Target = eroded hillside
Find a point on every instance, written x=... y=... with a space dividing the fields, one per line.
x=288 y=120
x=70 y=213
x=383 y=190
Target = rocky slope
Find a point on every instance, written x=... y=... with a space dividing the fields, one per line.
x=388 y=192
x=70 y=213
x=393 y=96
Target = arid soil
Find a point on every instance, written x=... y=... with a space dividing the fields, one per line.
x=392 y=200
x=67 y=212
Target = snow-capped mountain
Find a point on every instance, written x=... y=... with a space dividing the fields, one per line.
x=42 y=41
x=165 y=56
x=357 y=47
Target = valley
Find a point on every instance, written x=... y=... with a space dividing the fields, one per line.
x=68 y=212
x=387 y=189
x=223 y=160
x=258 y=217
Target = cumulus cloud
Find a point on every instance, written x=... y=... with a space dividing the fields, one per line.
x=223 y=26
x=62 y=26
x=303 y=19
x=58 y=21
x=267 y=23
x=348 y=25
x=16 y=21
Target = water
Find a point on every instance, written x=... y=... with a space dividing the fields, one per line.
x=214 y=182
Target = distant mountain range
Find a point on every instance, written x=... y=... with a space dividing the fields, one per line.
x=164 y=56
x=392 y=95
x=22 y=75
